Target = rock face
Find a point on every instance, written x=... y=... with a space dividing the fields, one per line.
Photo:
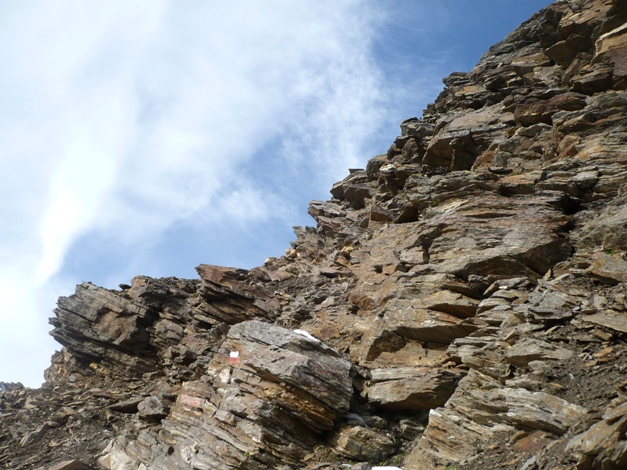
x=460 y=303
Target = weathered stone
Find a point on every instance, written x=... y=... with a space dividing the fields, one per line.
x=230 y=299
x=542 y=111
x=411 y=388
x=603 y=444
x=127 y=406
x=481 y=410
x=361 y=443
x=532 y=236
x=586 y=180
x=459 y=142
x=8 y=386
x=296 y=386
x=153 y=408
x=378 y=214
x=563 y=52
x=33 y=436
x=114 y=456
x=73 y=464
x=288 y=357
x=354 y=189
x=93 y=317
x=452 y=438
x=410 y=430
x=549 y=305
x=423 y=324
x=610 y=268
x=606 y=231
x=527 y=350
x=613 y=46
x=453 y=303
x=482 y=353
x=613 y=320
x=533 y=443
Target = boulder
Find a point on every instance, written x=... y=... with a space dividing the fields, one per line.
x=529 y=349
x=362 y=443
x=411 y=388
x=608 y=267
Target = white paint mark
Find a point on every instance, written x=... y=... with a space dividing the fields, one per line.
x=307 y=335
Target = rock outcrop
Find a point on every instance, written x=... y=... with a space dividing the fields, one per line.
x=461 y=302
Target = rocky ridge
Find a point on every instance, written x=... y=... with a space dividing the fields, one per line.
x=461 y=302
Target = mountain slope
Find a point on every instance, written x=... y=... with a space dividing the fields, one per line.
x=461 y=301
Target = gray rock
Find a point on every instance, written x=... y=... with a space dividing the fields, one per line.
x=408 y=388
x=153 y=408
x=361 y=443
x=610 y=268
x=616 y=321
x=527 y=350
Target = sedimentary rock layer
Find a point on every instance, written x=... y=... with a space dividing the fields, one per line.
x=460 y=302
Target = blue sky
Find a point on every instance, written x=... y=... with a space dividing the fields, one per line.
x=147 y=137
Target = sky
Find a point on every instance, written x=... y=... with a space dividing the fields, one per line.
x=150 y=136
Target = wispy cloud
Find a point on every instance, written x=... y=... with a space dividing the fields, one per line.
x=121 y=120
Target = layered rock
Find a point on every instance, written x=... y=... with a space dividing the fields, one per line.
x=264 y=401
x=461 y=301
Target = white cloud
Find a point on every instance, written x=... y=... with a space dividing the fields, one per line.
x=121 y=119
x=25 y=346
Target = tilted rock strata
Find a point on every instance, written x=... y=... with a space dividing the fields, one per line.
x=461 y=301
x=264 y=401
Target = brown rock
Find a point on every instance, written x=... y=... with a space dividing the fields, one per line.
x=591 y=80
x=459 y=142
x=412 y=388
x=426 y=325
x=153 y=408
x=354 y=189
x=70 y=465
x=564 y=51
x=613 y=46
x=362 y=443
x=527 y=350
x=613 y=320
x=542 y=111
x=610 y=268
x=453 y=303
x=127 y=406
x=533 y=443
x=284 y=356
x=603 y=444
x=481 y=410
